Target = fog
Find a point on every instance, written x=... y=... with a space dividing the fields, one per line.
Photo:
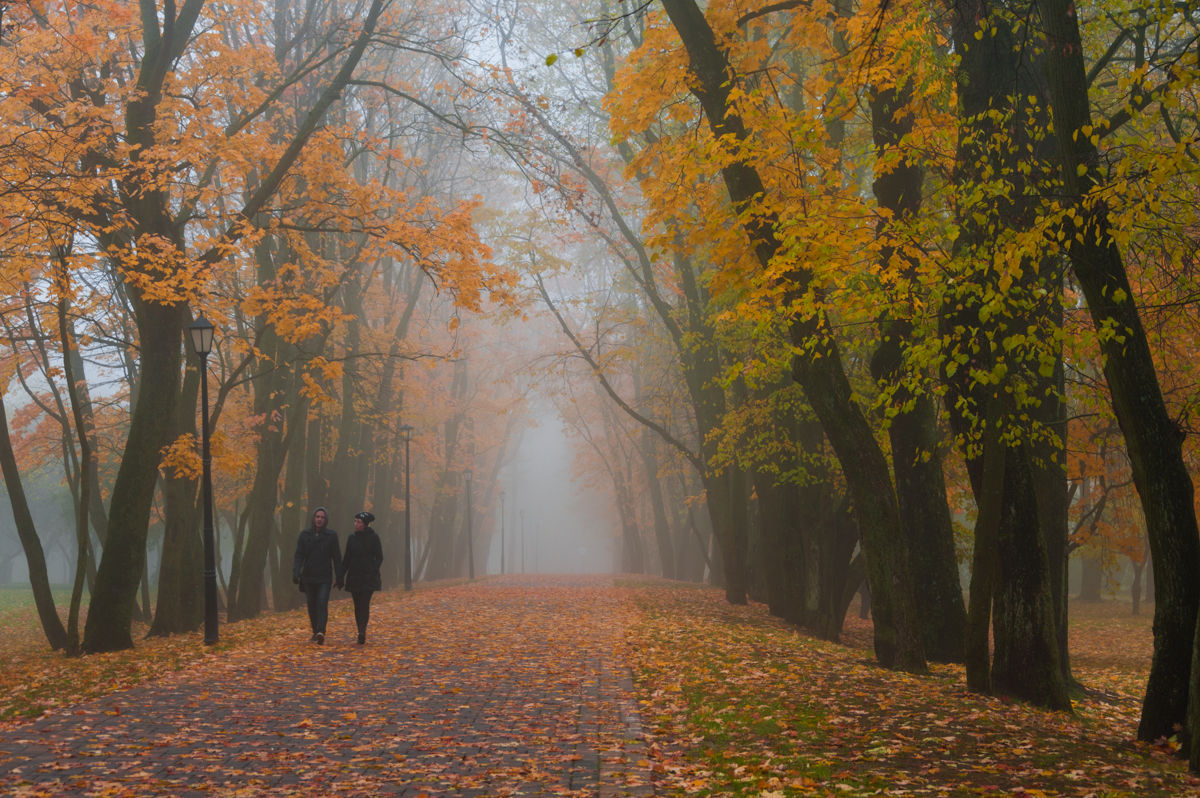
x=565 y=526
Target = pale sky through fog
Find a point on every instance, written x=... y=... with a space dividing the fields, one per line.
x=570 y=523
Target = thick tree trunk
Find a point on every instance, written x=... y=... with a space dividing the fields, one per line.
x=1025 y=663
x=110 y=614
x=726 y=500
x=1050 y=478
x=180 y=604
x=929 y=530
x=443 y=519
x=1153 y=440
x=996 y=77
x=915 y=438
x=781 y=552
x=691 y=545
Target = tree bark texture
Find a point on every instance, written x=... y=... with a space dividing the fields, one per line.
x=915 y=438
x=1025 y=662
x=1153 y=440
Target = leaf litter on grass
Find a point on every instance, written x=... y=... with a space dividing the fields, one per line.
x=736 y=702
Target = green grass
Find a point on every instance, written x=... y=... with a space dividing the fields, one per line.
x=14 y=598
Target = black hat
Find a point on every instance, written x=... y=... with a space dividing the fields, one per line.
x=365 y=517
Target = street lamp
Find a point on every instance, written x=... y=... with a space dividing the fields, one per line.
x=470 y=545
x=501 y=532
x=406 y=432
x=201 y=331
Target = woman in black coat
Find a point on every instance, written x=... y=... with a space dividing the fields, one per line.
x=364 y=554
x=316 y=567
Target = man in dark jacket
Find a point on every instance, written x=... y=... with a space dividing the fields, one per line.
x=364 y=554
x=316 y=566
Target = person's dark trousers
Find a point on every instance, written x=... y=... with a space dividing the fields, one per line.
x=318 y=605
x=362 y=609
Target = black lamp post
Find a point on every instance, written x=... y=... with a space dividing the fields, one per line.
x=501 y=532
x=470 y=545
x=201 y=331
x=406 y=432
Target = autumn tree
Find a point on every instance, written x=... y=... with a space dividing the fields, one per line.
x=1152 y=437
x=121 y=85
x=1002 y=393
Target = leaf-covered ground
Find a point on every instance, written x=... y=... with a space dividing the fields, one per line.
x=737 y=703
x=489 y=689
x=521 y=686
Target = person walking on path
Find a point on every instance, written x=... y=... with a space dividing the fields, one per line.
x=316 y=567
x=360 y=566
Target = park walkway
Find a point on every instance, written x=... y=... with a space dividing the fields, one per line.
x=506 y=686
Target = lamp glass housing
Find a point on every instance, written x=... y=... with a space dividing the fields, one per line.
x=201 y=331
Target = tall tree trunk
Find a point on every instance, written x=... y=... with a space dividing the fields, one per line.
x=1154 y=442
x=316 y=486
x=658 y=508
x=632 y=550
x=110 y=614
x=388 y=444
x=818 y=366
x=916 y=441
x=83 y=434
x=292 y=506
x=180 y=606
x=840 y=572
x=1025 y=662
x=245 y=598
x=929 y=530
x=996 y=78
x=782 y=553
x=348 y=481
x=726 y=500
x=444 y=513
x=1050 y=475
x=31 y=544
x=989 y=498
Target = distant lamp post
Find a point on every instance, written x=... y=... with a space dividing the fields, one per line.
x=406 y=432
x=501 y=532
x=201 y=331
x=470 y=546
